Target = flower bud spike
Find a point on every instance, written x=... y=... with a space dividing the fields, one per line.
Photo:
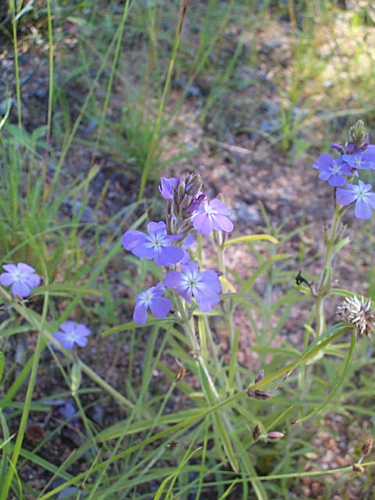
x=358 y=135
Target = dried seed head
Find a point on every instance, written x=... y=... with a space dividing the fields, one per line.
x=357 y=313
x=256 y=433
x=366 y=448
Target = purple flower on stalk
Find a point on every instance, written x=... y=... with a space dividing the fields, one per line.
x=204 y=287
x=156 y=245
x=168 y=186
x=22 y=279
x=364 y=200
x=212 y=215
x=151 y=299
x=361 y=159
x=70 y=333
x=332 y=171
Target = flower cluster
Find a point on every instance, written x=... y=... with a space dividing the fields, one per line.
x=188 y=208
x=342 y=173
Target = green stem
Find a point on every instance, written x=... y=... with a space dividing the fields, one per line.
x=325 y=277
x=228 y=310
x=222 y=422
x=206 y=380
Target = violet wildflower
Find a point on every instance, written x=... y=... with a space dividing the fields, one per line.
x=364 y=200
x=212 y=215
x=361 y=159
x=332 y=171
x=67 y=410
x=157 y=245
x=151 y=299
x=70 y=333
x=22 y=279
x=204 y=287
x=168 y=187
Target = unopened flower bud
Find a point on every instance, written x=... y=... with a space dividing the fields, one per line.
x=185 y=227
x=275 y=435
x=256 y=433
x=260 y=376
x=193 y=185
x=186 y=202
x=257 y=394
x=357 y=135
x=366 y=448
x=176 y=204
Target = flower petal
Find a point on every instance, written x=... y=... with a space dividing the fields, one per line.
x=6 y=279
x=169 y=256
x=345 y=196
x=20 y=289
x=362 y=210
x=160 y=307
x=132 y=239
x=140 y=314
x=202 y=223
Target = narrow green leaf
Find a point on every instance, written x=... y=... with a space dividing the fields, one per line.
x=250 y=239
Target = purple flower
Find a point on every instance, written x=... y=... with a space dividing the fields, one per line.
x=168 y=186
x=204 y=287
x=332 y=171
x=153 y=299
x=67 y=411
x=70 y=333
x=22 y=278
x=156 y=245
x=364 y=200
x=361 y=159
x=212 y=215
